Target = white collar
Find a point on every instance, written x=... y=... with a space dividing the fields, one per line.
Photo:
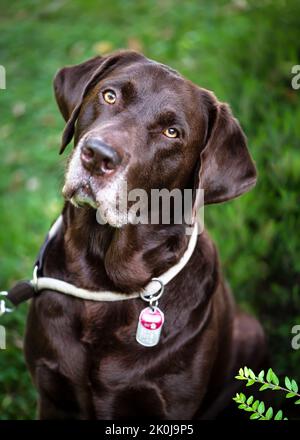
x=153 y=289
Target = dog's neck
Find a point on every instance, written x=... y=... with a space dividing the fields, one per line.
x=123 y=258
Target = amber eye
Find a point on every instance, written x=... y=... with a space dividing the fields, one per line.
x=171 y=132
x=109 y=96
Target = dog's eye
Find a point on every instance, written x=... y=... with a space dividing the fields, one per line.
x=171 y=132
x=109 y=96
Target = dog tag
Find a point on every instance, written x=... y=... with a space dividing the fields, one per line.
x=149 y=326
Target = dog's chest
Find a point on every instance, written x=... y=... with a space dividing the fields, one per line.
x=109 y=326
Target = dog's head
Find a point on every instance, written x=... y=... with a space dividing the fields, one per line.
x=139 y=123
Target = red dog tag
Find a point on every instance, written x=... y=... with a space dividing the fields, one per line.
x=149 y=326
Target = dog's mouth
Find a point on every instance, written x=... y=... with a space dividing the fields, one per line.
x=81 y=196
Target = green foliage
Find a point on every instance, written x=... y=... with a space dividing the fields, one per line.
x=244 y=52
x=257 y=408
x=268 y=381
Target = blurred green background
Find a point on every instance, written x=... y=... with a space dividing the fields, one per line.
x=244 y=51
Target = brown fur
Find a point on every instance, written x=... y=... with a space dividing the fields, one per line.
x=83 y=356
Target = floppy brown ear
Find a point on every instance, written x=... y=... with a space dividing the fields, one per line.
x=71 y=84
x=226 y=168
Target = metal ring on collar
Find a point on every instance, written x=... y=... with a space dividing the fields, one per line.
x=153 y=303
x=3 y=308
x=154 y=296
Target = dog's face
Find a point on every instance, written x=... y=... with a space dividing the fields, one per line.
x=139 y=124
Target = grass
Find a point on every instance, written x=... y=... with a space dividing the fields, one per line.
x=244 y=51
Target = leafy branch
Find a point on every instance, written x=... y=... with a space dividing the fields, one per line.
x=268 y=381
x=257 y=408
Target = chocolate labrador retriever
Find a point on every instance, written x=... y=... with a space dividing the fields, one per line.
x=139 y=122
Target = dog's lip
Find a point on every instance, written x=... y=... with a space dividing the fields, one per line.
x=70 y=192
x=83 y=196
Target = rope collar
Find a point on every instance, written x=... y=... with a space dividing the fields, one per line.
x=151 y=292
x=154 y=287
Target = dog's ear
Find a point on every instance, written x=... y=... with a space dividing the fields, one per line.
x=71 y=84
x=226 y=169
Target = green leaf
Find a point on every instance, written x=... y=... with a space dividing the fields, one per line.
x=242 y=397
x=241 y=372
x=269 y=413
x=275 y=379
x=265 y=386
x=249 y=409
x=289 y=395
x=255 y=416
x=294 y=386
x=240 y=377
x=297 y=402
x=261 y=375
x=288 y=383
x=251 y=374
x=255 y=405
x=261 y=408
x=269 y=375
x=243 y=406
x=246 y=372
x=250 y=400
x=278 y=415
x=250 y=382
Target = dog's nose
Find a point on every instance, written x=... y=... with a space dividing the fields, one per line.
x=98 y=157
